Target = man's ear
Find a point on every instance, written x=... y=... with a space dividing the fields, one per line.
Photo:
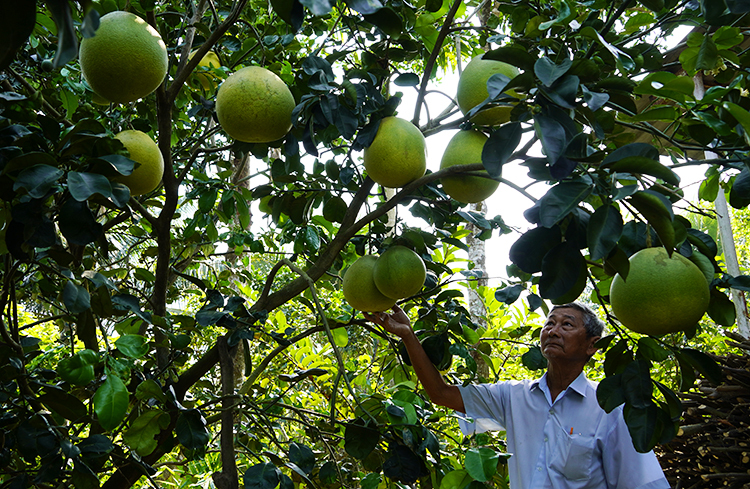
x=592 y=345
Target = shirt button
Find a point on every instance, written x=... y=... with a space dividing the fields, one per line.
x=552 y=411
x=545 y=438
x=538 y=469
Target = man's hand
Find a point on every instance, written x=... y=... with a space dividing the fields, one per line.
x=396 y=322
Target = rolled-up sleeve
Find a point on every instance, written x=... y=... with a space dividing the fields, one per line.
x=485 y=408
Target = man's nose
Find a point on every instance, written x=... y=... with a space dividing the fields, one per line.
x=553 y=330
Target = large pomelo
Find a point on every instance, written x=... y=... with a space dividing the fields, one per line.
x=146 y=176
x=472 y=90
x=359 y=287
x=125 y=60
x=661 y=294
x=399 y=272
x=397 y=155
x=463 y=149
x=254 y=105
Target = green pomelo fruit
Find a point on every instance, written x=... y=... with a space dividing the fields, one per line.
x=359 y=287
x=397 y=155
x=204 y=76
x=399 y=272
x=254 y=105
x=146 y=176
x=472 y=90
x=661 y=294
x=125 y=60
x=463 y=149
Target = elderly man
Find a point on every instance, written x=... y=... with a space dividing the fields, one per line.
x=557 y=434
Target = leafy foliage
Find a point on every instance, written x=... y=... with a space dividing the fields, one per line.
x=202 y=325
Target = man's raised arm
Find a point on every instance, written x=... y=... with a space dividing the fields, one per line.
x=439 y=391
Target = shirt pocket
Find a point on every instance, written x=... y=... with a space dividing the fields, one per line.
x=574 y=457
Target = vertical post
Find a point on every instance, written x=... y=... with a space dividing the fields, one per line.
x=730 y=258
x=726 y=235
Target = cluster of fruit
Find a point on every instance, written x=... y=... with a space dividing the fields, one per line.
x=375 y=283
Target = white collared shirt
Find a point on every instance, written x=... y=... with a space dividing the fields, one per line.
x=569 y=444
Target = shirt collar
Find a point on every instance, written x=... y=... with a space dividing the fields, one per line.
x=579 y=385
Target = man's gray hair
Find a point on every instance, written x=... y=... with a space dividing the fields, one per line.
x=594 y=326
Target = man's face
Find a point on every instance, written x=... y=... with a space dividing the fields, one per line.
x=564 y=337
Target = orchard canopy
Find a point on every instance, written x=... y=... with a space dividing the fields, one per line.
x=196 y=335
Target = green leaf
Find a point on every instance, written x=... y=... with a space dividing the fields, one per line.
x=334 y=209
x=386 y=19
x=636 y=383
x=456 y=479
x=709 y=188
x=708 y=56
x=687 y=373
x=499 y=147
x=508 y=295
x=548 y=71
x=140 y=435
x=403 y=465
x=302 y=456
x=111 y=402
x=721 y=309
x=655 y=5
x=561 y=200
x=660 y=113
x=530 y=248
x=191 y=430
x=364 y=7
x=609 y=392
x=471 y=336
x=533 y=359
x=594 y=100
x=641 y=425
x=340 y=337
x=513 y=55
x=78 y=224
x=407 y=80
x=132 y=345
x=561 y=270
x=552 y=135
x=667 y=85
x=262 y=476
x=84 y=185
x=604 y=231
x=650 y=349
x=481 y=463
x=38 y=180
x=360 y=440
x=704 y=364
x=564 y=91
x=370 y=481
x=739 y=195
x=739 y=113
x=657 y=210
x=121 y=163
x=617 y=358
x=76 y=298
x=640 y=164
x=673 y=402
x=727 y=37
x=149 y=389
x=67 y=42
x=66 y=405
x=79 y=368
